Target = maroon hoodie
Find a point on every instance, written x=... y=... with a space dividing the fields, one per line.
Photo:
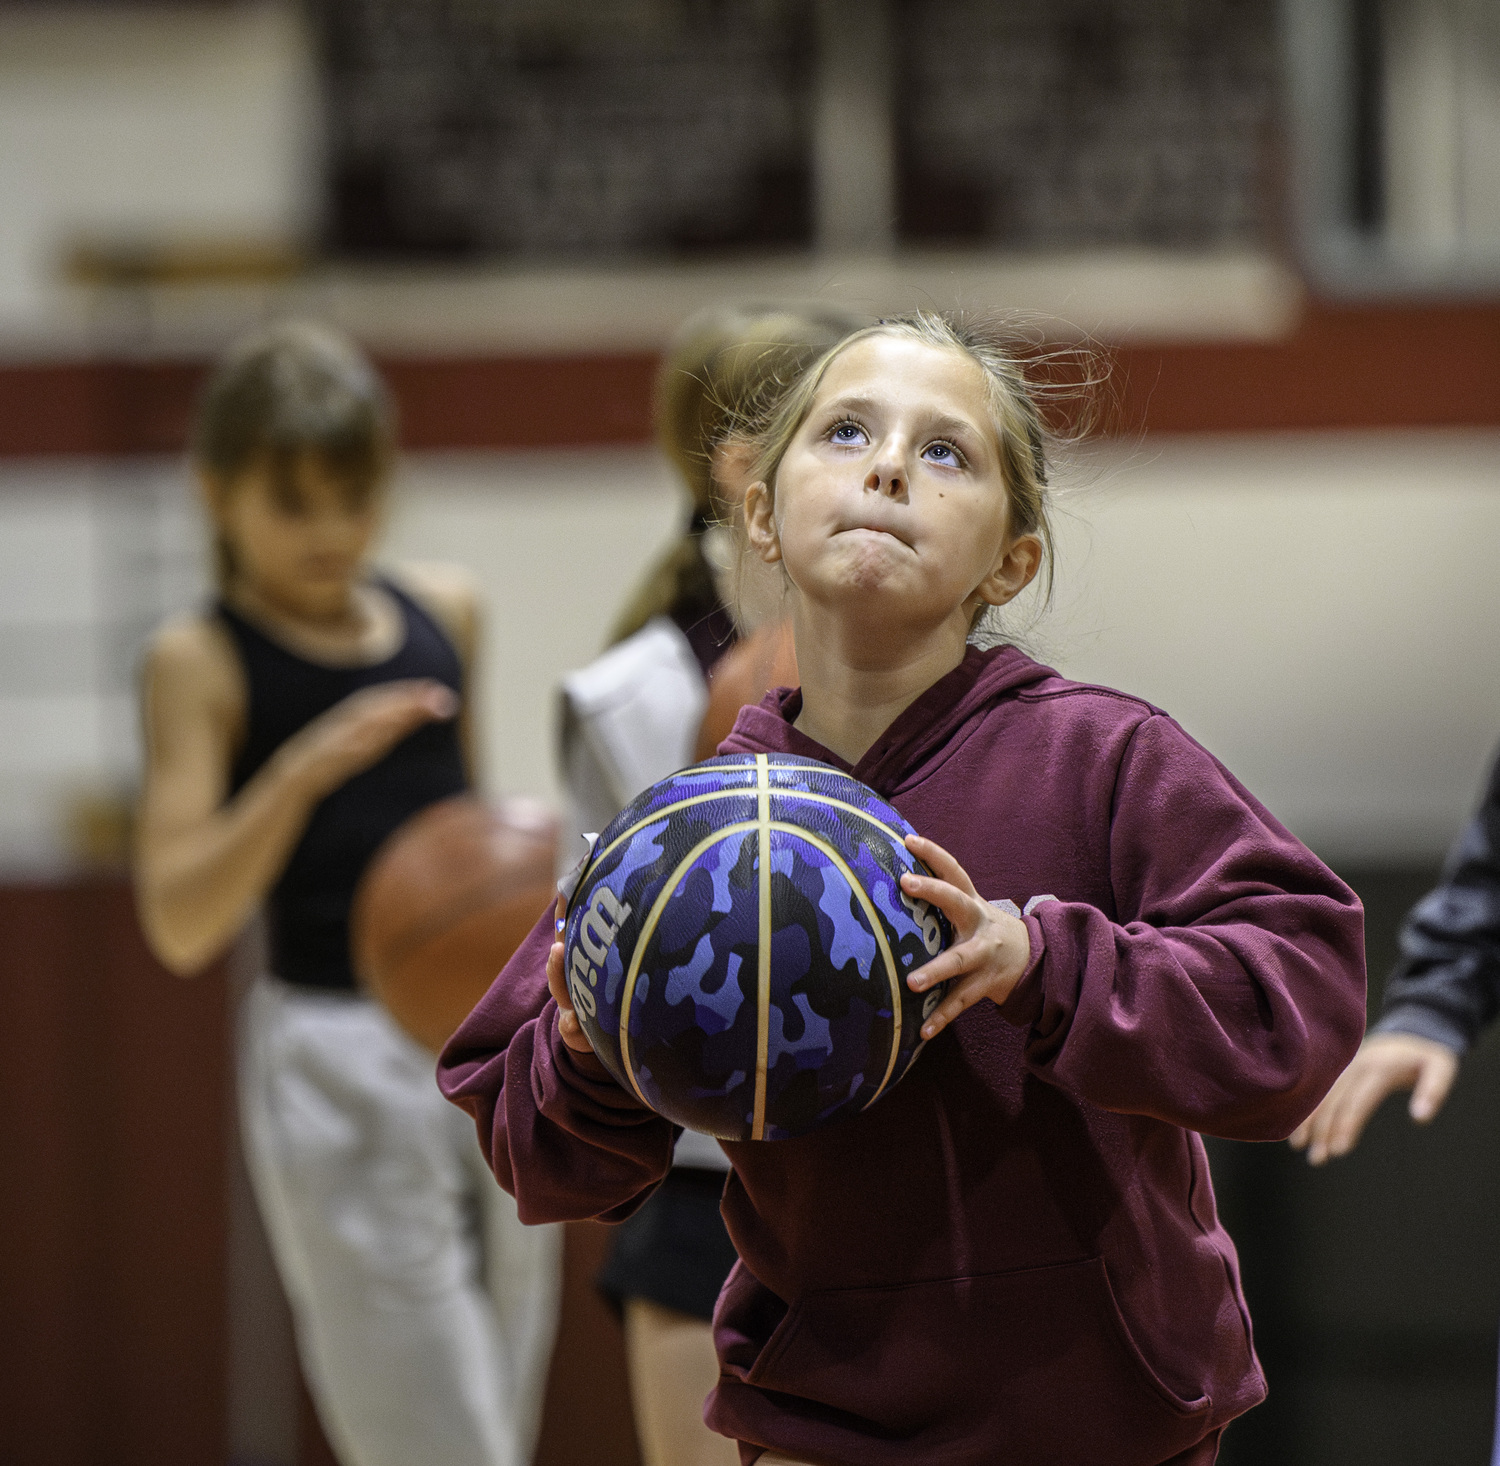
x=1013 y=1257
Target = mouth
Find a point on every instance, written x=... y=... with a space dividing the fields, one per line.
x=326 y=567
x=878 y=530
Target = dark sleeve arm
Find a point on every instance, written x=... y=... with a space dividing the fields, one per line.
x=1226 y=993
x=1446 y=985
x=560 y=1135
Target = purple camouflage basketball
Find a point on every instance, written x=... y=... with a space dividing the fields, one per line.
x=738 y=946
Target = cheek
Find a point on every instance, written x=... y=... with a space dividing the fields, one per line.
x=806 y=508
x=795 y=533
x=273 y=542
x=979 y=525
x=248 y=530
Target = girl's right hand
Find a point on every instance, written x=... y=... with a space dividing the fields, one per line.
x=557 y=984
x=359 y=731
x=1385 y=1063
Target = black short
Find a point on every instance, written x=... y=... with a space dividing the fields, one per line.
x=675 y=1250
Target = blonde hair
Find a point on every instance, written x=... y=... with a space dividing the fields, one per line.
x=291 y=389
x=1022 y=380
x=726 y=367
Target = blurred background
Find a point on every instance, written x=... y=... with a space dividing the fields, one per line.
x=1283 y=220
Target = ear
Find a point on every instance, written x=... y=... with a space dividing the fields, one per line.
x=1012 y=572
x=760 y=523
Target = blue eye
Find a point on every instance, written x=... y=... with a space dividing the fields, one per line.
x=945 y=454
x=849 y=433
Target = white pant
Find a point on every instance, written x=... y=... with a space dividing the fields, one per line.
x=425 y=1312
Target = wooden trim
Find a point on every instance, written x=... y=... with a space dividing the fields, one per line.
x=1344 y=367
x=523 y=402
x=86 y=407
x=1428 y=365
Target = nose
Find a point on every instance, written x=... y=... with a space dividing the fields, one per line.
x=886 y=479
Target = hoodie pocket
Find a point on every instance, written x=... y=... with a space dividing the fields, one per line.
x=1035 y=1366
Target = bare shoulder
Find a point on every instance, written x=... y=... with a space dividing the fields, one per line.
x=450 y=592
x=191 y=662
x=194 y=704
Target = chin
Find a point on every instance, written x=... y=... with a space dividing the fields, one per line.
x=875 y=599
x=319 y=597
x=871 y=560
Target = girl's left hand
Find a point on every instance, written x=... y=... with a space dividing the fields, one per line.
x=993 y=947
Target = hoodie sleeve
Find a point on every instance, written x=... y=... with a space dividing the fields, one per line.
x=1447 y=984
x=1228 y=994
x=560 y=1135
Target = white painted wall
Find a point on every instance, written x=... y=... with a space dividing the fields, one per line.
x=92 y=554
x=1321 y=610
x=558 y=540
x=150 y=121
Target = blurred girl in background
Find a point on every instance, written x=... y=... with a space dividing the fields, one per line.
x=677 y=672
x=290 y=728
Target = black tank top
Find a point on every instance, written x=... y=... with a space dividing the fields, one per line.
x=308 y=909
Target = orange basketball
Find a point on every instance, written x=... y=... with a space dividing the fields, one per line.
x=765 y=659
x=445 y=902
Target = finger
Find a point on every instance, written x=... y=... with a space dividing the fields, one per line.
x=1359 y=1102
x=1312 y=1134
x=957 y=905
x=960 y=997
x=423 y=700
x=419 y=697
x=946 y=966
x=440 y=700
x=1313 y=1131
x=1319 y=1127
x=1434 y=1082
x=556 y=983
x=941 y=863
x=1346 y=1107
x=385 y=724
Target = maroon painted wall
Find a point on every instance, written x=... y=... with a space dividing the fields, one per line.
x=113 y=1115
x=1415 y=365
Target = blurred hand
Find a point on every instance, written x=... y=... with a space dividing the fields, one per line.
x=992 y=949
x=359 y=731
x=1385 y=1063
x=557 y=984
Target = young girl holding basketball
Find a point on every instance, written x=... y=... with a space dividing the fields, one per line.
x=1014 y=1256
x=291 y=728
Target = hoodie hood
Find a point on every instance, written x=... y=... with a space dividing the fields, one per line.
x=919 y=740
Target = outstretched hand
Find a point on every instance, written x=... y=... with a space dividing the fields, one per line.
x=1385 y=1063
x=361 y=729
x=993 y=947
x=557 y=984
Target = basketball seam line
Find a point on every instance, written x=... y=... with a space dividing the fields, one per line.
x=643 y=940
x=899 y=836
